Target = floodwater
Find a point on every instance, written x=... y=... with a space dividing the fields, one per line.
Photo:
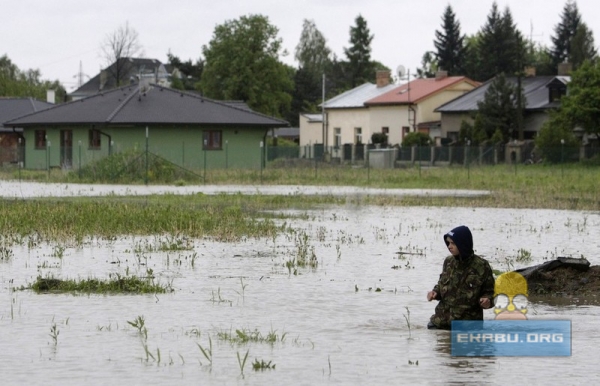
x=343 y=322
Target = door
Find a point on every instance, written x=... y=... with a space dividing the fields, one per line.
x=66 y=149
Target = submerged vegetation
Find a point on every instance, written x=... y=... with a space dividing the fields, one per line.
x=115 y=284
x=224 y=218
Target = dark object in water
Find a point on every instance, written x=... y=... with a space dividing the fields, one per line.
x=581 y=264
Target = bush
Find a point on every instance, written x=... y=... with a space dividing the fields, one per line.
x=380 y=138
x=549 y=141
x=416 y=139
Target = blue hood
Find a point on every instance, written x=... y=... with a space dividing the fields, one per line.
x=463 y=239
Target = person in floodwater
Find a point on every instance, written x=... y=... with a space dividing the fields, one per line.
x=466 y=284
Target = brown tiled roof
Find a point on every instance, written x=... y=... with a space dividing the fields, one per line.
x=417 y=90
x=156 y=106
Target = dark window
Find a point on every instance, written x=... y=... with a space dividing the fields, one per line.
x=212 y=140
x=557 y=93
x=40 y=139
x=385 y=130
x=94 y=139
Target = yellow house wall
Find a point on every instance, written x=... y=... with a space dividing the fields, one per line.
x=394 y=117
x=347 y=120
x=310 y=132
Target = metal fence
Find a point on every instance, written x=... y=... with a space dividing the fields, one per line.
x=193 y=160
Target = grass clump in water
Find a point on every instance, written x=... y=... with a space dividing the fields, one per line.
x=114 y=285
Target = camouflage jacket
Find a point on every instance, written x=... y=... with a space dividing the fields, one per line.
x=461 y=285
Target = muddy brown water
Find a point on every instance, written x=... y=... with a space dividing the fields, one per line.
x=344 y=321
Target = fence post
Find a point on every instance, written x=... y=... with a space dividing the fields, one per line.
x=146 y=176
x=261 y=162
x=48 y=158
x=80 y=159
x=204 y=152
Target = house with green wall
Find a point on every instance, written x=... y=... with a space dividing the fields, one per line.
x=185 y=128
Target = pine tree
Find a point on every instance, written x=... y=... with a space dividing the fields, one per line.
x=501 y=48
x=499 y=109
x=564 y=33
x=449 y=44
x=582 y=46
x=359 y=53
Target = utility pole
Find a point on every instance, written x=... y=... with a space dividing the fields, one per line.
x=323 y=114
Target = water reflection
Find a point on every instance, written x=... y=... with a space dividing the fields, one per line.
x=338 y=328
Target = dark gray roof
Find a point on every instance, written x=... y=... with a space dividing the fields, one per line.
x=131 y=68
x=156 y=106
x=11 y=108
x=535 y=91
x=285 y=132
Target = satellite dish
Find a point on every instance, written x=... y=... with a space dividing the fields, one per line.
x=400 y=71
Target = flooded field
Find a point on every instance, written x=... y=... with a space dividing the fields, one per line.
x=355 y=314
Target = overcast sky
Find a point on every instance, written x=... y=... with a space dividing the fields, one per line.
x=56 y=36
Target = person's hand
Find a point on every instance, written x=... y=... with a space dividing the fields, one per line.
x=485 y=303
x=431 y=295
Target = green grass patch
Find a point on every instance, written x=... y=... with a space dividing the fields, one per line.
x=244 y=336
x=116 y=284
x=224 y=218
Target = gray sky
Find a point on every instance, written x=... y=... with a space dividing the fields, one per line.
x=54 y=36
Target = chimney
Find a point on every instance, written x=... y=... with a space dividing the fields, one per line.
x=383 y=78
x=529 y=71
x=564 y=68
x=439 y=75
x=51 y=96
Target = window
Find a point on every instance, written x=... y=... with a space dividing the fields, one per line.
x=40 y=139
x=405 y=130
x=94 y=142
x=211 y=140
x=556 y=94
x=337 y=139
x=357 y=135
x=385 y=130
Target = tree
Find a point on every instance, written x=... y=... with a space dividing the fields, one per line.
x=538 y=56
x=555 y=141
x=581 y=106
x=499 y=110
x=314 y=58
x=582 y=46
x=471 y=59
x=190 y=72
x=501 y=46
x=359 y=53
x=312 y=52
x=117 y=47
x=563 y=34
x=242 y=63
x=449 y=44
x=17 y=83
x=429 y=65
